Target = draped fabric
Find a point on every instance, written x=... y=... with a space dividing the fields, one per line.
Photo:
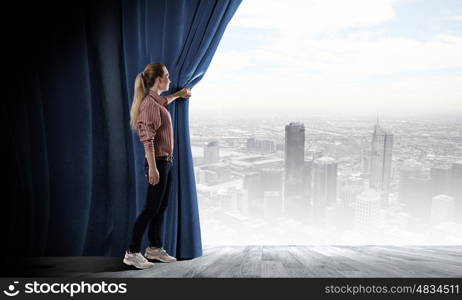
x=76 y=181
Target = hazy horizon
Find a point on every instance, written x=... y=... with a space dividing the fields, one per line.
x=294 y=115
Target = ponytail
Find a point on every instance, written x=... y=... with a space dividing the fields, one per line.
x=138 y=97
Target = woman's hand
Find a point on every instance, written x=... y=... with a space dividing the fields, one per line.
x=185 y=93
x=153 y=176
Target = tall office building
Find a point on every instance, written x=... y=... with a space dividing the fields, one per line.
x=380 y=162
x=324 y=174
x=252 y=184
x=367 y=210
x=264 y=190
x=365 y=158
x=271 y=183
x=212 y=152
x=307 y=179
x=294 y=156
x=295 y=205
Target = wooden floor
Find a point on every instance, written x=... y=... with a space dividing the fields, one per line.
x=268 y=261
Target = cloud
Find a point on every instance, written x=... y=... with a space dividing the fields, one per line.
x=452 y=18
x=295 y=58
x=312 y=17
x=344 y=58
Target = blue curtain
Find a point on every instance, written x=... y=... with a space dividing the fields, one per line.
x=77 y=181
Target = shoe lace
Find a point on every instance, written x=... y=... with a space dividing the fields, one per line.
x=140 y=258
x=162 y=250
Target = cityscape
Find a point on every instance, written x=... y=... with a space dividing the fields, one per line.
x=328 y=180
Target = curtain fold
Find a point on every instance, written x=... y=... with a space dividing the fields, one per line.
x=77 y=181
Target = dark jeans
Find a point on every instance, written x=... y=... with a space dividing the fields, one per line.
x=153 y=211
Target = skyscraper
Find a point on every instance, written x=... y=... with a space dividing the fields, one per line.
x=295 y=205
x=294 y=156
x=380 y=162
x=324 y=185
x=252 y=183
x=307 y=179
x=367 y=210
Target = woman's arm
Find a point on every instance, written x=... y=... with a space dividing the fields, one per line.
x=183 y=93
x=151 y=159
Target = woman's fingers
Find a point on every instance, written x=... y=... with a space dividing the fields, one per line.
x=186 y=93
x=153 y=181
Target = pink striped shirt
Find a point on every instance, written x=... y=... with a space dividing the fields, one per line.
x=155 y=125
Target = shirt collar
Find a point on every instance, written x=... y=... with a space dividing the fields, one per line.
x=155 y=96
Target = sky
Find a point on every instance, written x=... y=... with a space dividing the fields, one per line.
x=359 y=57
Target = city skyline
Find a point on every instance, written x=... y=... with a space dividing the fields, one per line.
x=253 y=152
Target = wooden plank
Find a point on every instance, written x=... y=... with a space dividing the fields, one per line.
x=271 y=261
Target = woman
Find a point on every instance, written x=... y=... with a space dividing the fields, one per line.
x=150 y=116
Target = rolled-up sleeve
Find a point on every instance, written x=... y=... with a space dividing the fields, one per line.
x=163 y=101
x=148 y=123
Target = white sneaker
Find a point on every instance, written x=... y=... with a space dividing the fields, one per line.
x=159 y=254
x=137 y=260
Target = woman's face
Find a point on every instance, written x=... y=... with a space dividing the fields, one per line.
x=165 y=81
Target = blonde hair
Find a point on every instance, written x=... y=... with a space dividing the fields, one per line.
x=143 y=82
